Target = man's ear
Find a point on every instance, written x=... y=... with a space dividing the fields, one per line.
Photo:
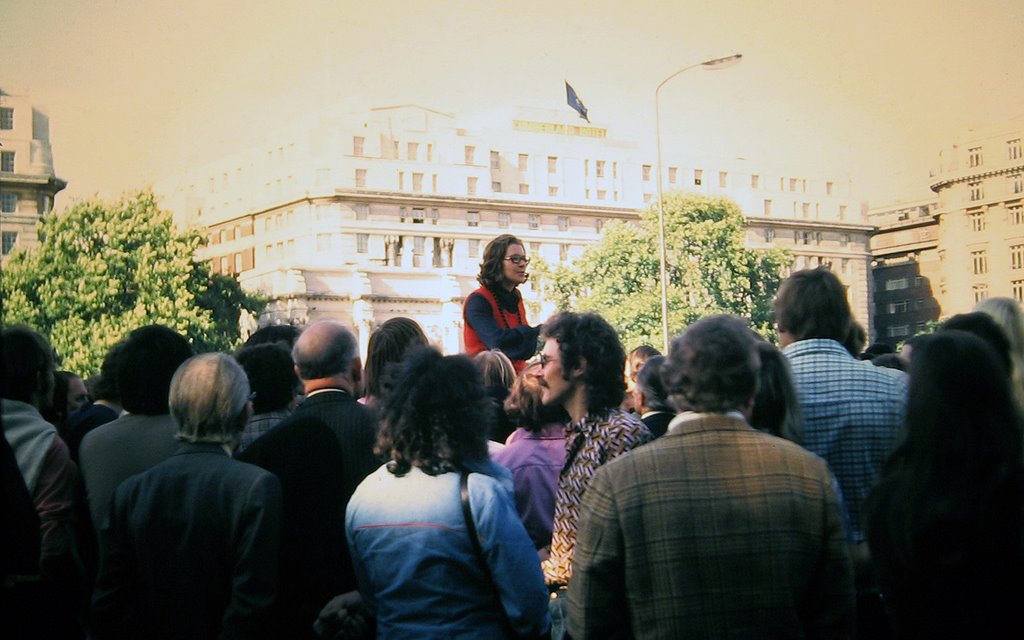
x=580 y=368
x=356 y=369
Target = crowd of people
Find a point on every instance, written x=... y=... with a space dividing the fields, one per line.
x=544 y=484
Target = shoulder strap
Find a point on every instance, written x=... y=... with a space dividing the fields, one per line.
x=467 y=514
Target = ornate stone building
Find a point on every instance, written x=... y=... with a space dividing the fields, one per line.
x=28 y=183
x=367 y=216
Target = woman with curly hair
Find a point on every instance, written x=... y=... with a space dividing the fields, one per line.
x=944 y=523
x=494 y=316
x=419 y=571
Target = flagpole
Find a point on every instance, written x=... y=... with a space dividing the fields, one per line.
x=714 y=64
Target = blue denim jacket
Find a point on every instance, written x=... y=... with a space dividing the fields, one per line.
x=416 y=565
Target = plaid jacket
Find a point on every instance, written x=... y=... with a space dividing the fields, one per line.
x=714 y=530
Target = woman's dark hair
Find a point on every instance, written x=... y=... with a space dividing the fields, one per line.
x=388 y=344
x=106 y=386
x=588 y=337
x=776 y=407
x=435 y=416
x=492 y=268
x=284 y=334
x=650 y=383
x=983 y=326
x=271 y=376
x=524 y=407
x=148 y=360
x=960 y=463
x=56 y=410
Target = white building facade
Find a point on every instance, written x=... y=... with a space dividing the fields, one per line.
x=363 y=217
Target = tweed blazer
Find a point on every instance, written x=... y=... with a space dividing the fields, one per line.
x=714 y=530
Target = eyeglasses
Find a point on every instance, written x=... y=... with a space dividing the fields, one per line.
x=517 y=260
x=544 y=360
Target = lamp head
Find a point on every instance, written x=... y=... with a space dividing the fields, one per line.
x=721 y=63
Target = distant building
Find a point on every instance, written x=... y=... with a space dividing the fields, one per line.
x=28 y=184
x=980 y=212
x=367 y=216
x=939 y=257
x=905 y=270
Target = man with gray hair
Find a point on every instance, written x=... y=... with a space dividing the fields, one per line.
x=715 y=529
x=320 y=453
x=189 y=548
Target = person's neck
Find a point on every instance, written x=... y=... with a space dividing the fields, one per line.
x=576 y=404
x=113 y=406
x=317 y=384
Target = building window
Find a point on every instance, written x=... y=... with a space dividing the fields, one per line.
x=434 y=215
x=413 y=150
x=496 y=186
x=473 y=248
x=360 y=178
x=1017 y=214
x=899 y=331
x=806 y=209
x=7 y=161
x=723 y=179
x=1016 y=287
x=601 y=194
x=470 y=154
x=828 y=188
x=895 y=284
x=646 y=172
x=401 y=214
x=1013 y=149
x=976 y=191
x=401 y=180
x=1016 y=184
x=563 y=223
x=900 y=306
x=495 y=160
x=980 y=292
x=471 y=186
x=362 y=211
x=673 y=173
x=586 y=167
x=974 y=158
x=552 y=164
x=358 y=143
x=598 y=225
x=599 y=165
x=767 y=207
x=842 y=212
x=792 y=184
x=472 y=218
x=9 y=202
x=648 y=197
x=362 y=242
x=698 y=176
x=977 y=220
x=769 y=235
x=563 y=252
x=755 y=181
x=524 y=161
x=553 y=192
x=7 y=122
x=418 y=215
x=503 y=220
x=524 y=189
x=534 y=221
x=10 y=238
x=417 y=182
x=979 y=262
x=1017 y=256
x=844 y=239
x=615 y=169
x=419 y=244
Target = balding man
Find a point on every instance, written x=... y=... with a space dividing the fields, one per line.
x=321 y=454
x=190 y=547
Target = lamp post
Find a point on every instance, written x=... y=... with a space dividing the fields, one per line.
x=714 y=64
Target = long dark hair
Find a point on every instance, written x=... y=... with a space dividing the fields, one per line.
x=960 y=463
x=492 y=268
x=435 y=416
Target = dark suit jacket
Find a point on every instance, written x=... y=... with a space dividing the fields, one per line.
x=189 y=550
x=658 y=421
x=315 y=565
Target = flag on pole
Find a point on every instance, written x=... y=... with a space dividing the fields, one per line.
x=574 y=101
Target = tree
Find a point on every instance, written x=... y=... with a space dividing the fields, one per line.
x=710 y=270
x=103 y=269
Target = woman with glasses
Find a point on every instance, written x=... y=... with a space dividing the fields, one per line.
x=494 y=316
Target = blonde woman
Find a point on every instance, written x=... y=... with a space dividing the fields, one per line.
x=1010 y=317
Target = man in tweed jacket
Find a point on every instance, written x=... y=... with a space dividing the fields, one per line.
x=714 y=530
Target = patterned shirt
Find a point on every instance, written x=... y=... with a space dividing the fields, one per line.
x=589 y=444
x=258 y=425
x=853 y=415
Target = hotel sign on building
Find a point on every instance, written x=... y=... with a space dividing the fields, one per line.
x=367 y=216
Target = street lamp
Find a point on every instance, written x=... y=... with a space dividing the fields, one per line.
x=715 y=64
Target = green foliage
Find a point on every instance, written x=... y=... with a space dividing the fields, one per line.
x=709 y=268
x=103 y=269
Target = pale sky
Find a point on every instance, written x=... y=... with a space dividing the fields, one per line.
x=865 y=90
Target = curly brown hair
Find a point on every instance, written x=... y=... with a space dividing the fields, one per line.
x=435 y=416
x=492 y=268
